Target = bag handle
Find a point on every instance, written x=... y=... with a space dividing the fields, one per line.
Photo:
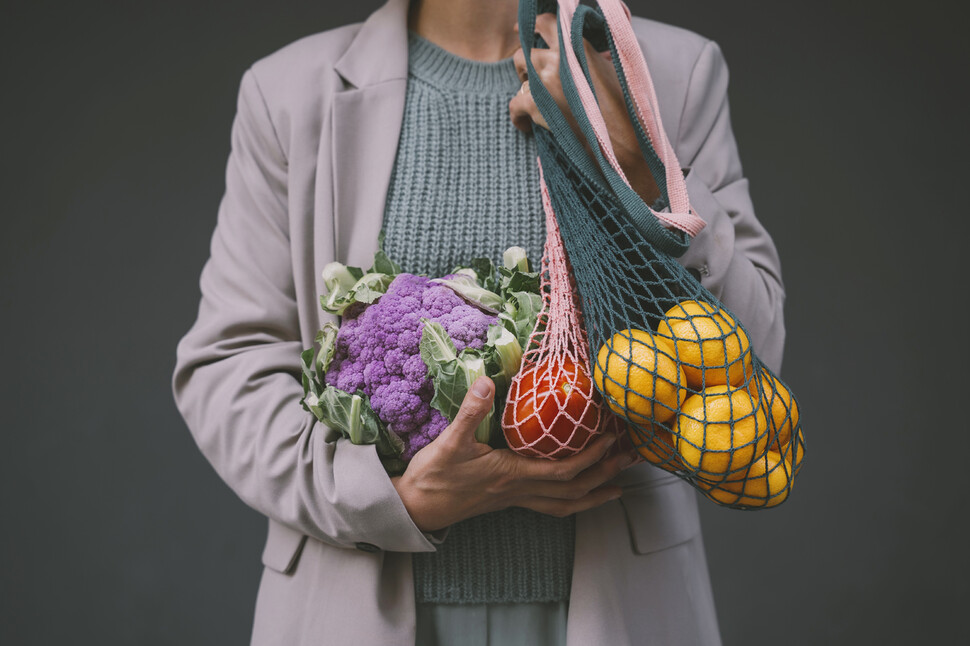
x=638 y=90
x=596 y=171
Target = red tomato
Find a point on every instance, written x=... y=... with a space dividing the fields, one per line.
x=550 y=401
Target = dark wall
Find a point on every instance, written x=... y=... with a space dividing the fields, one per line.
x=116 y=531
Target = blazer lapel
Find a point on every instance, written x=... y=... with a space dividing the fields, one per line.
x=366 y=122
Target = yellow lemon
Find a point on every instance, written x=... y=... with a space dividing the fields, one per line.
x=639 y=377
x=656 y=445
x=721 y=431
x=711 y=347
x=795 y=451
x=784 y=409
x=767 y=483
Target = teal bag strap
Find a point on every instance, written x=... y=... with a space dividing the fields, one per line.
x=598 y=170
x=559 y=126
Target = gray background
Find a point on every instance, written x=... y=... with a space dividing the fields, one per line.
x=116 y=129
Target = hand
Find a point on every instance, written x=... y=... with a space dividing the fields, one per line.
x=524 y=112
x=454 y=477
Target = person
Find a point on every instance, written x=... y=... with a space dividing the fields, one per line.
x=416 y=122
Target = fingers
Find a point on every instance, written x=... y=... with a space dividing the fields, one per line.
x=563 y=508
x=524 y=112
x=568 y=468
x=547 y=26
x=522 y=107
x=520 y=67
x=592 y=478
x=477 y=403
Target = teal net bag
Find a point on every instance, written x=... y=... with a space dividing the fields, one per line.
x=671 y=361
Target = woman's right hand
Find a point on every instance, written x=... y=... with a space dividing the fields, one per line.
x=455 y=477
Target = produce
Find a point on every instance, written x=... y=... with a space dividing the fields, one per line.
x=721 y=432
x=378 y=354
x=639 y=377
x=408 y=348
x=710 y=346
x=554 y=420
x=767 y=483
x=778 y=400
x=794 y=451
x=655 y=443
x=552 y=410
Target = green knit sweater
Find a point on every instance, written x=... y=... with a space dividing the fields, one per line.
x=465 y=184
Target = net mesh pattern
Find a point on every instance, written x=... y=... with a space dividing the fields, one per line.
x=552 y=409
x=668 y=357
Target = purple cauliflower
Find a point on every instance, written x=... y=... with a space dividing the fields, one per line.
x=377 y=353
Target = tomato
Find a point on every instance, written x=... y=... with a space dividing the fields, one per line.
x=551 y=405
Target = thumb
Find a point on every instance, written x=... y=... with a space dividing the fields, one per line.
x=476 y=405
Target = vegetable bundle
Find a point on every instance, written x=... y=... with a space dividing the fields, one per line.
x=395 y=371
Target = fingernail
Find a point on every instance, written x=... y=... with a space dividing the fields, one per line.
x=480 y=388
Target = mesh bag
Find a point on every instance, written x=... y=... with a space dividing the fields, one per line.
x=669 y=359
x=552 y=409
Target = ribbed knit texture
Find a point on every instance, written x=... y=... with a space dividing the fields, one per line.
x=465 y=181
x=465 y=184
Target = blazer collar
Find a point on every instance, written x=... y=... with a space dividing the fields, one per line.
x=374 y=55
x=366 y=125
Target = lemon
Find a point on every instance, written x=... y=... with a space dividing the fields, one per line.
x=639 y=378
x=768 y=482
x=656 y=445
x=711 y=347
x=720 y=432
x=784 y=409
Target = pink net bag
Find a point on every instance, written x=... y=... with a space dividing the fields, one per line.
x=553 y=409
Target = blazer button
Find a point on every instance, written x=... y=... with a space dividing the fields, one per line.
x=367 y=547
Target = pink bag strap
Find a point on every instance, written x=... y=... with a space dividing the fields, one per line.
x=644 y=98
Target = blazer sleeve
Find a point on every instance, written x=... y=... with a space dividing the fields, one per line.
x=734 y=254
x=235 y=379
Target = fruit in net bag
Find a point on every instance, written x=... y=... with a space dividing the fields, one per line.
x=720 y=432
x=767 y=483
x=710 y=345
x=775 y=396
x=656 y=445
x=552 y=409
x=639 y=376
x=555 y=415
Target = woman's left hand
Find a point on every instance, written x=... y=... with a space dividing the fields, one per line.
x=524 y=112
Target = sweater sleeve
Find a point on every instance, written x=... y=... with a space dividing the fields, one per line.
x=734 y=254
x=235 y=379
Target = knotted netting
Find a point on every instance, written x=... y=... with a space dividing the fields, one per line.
x=552 y=408
x=669 y=359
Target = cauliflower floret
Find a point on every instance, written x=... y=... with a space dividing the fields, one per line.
x=377 y=353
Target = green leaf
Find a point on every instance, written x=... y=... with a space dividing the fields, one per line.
x=367 y=289
x=310 y=379
x=524 y=308
x=451 y=374
x=327 y=340
x=485 y=269
x=518 y=281
x=503 y=357
x=436 y=346
x=370 y=287
x=384 y=265
x=515 y=258
x=469 y=289
x=351 y=415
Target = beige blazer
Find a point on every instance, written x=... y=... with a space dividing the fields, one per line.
x=313 y=145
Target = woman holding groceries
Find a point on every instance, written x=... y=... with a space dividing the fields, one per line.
x=418 y=122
